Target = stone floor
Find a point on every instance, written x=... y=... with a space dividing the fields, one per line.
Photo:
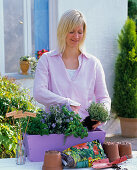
x=113 y=133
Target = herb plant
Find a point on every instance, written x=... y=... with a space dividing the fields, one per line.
x=98 y=112
x=60 y=120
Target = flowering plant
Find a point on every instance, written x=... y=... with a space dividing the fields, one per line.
x=34 y=61
x=60 y=120
x=39 y=53
x=33 y=64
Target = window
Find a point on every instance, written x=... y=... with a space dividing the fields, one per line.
x=24 y=29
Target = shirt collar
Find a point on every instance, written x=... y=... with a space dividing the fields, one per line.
x=57 y=53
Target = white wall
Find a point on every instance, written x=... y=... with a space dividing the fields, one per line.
x=105 y=19
x=2 y=59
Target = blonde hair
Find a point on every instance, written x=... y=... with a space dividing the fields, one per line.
x=69 y=20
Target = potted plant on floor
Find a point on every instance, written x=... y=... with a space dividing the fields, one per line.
x=24 y=64
x=124 y=101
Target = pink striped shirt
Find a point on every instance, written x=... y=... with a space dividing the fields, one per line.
x=53 y=84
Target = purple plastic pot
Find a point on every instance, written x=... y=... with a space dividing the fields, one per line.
x=36 y=145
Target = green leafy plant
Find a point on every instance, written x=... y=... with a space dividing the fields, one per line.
x=98 y=112
x=8 y=141
x=58 y=121
x=25 y=58
x=14 y=97
x=36 y=125
x=124 y=101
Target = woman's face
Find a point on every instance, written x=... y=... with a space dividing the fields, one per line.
x=74 y=37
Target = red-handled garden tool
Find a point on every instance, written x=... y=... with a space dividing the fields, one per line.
x=104 y=163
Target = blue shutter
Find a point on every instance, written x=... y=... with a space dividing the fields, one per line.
x=41 y=24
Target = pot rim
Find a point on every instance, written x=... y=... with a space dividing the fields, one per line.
x=126 y=118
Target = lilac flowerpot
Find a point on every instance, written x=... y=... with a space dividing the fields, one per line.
x=36 y=145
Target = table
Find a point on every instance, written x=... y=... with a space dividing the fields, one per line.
x=10 y=164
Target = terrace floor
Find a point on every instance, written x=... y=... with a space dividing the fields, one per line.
x=113 y=133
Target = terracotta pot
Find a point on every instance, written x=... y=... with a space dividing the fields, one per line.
x=24 y=66
x=52 y=161
x=111 y=150
x=125 y=149
x=128 y=127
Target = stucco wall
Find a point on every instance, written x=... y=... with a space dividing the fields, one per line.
x=105 y=19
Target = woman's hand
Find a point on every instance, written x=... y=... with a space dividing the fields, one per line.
x=75 y=108
x=96 y=125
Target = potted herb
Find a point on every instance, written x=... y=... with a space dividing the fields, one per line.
x=97 y=113
x=24 y=64
x=124 y=102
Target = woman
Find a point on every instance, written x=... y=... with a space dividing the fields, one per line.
x=69 y=75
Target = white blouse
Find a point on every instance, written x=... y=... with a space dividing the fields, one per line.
x=70 y=72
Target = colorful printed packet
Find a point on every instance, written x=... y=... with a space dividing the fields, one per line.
x=83 y=155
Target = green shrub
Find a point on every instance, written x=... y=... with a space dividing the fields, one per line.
x=12 y=97
x=132 y=10
x=8 y=141
x=124 y=101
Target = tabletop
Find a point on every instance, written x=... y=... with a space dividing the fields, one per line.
x=10 y=164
